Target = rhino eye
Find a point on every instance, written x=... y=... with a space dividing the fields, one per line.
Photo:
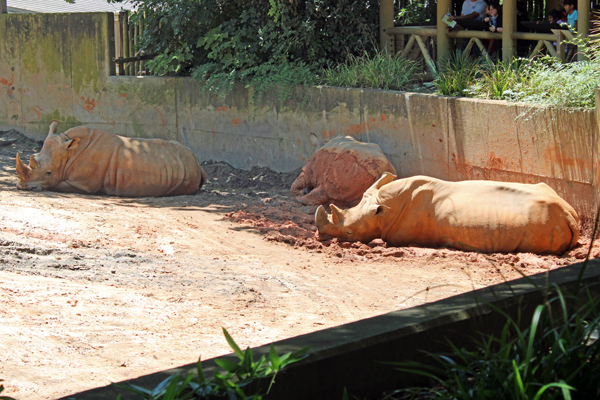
x=348 y=233
x=48 y=173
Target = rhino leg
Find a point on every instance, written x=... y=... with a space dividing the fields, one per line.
x=300 y=184
x=316 y=197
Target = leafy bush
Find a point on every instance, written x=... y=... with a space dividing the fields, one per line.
x=551 y=83
x=264 y=42
x=382 y=71
x=417 y=12
x=241 y=380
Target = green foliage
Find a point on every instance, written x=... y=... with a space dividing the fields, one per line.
x=456 y=74
x=498 y=80
x=543 y=80
x=242 y=380
x=551 y=83
x=267 y=44
x=381 y=71
x=417 y=12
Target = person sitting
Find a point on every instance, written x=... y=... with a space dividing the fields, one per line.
x=556 y=17
x=471 y=9
x=494 y=17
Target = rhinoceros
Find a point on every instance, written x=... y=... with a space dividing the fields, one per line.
x=482 y=216
x=92 y=161
x=339 y=172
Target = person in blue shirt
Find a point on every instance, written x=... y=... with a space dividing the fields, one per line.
x=570 y=8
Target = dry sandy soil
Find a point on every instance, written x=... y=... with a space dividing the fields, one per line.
x=101 y=289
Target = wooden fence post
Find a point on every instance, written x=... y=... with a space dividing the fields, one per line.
x=443 y=41
x=509 y=25
x=126 y=50
x=386 y=20
x=3 y=7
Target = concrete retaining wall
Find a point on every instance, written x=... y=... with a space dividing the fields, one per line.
x=57 y=66
x=353 y=356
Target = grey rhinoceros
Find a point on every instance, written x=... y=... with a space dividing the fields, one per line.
x=483 y=216
x=339 y=172
x=84 y=160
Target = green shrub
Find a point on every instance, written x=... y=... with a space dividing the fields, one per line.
x=551 y=83
x=242 y=380
x=381 y=71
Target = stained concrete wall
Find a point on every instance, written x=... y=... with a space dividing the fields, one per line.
x=58 y=66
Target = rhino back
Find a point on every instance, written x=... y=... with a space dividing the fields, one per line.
x=345 y=169
x=115 y=165
x=478 y=216
x=152 y=167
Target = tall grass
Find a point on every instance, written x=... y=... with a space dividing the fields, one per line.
x=382 y=71
x=556 y=356
x=456 y=74
x=498 y=80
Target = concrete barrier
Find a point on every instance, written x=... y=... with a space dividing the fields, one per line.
x=58 y=66
x=352 y=355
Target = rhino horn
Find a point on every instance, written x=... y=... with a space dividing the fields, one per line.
x=33 y=163
x=336 y=214
x=53 y=126
x=321 y=218
x=22 y=170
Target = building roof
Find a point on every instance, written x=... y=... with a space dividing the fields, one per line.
x=61 y=6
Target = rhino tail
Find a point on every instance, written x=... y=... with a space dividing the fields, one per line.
x=203 y=177
x=574 y=225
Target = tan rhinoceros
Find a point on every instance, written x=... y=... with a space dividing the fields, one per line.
x=339 y=172
x=483 y=216
x=83 y=160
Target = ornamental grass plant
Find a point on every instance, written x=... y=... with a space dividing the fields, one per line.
x=380 y=71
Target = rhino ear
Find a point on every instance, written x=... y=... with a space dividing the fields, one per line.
x=70 y=144
x=315 y=140
x=53 y=126
x=384 y=180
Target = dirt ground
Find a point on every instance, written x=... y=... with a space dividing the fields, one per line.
x=98 y=289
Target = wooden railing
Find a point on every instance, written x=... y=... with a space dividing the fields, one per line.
x=422 y=39
x=128 y=58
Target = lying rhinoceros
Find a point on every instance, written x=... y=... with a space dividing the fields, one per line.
x=483 y=216
x=83 y=160
x=340 y=172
